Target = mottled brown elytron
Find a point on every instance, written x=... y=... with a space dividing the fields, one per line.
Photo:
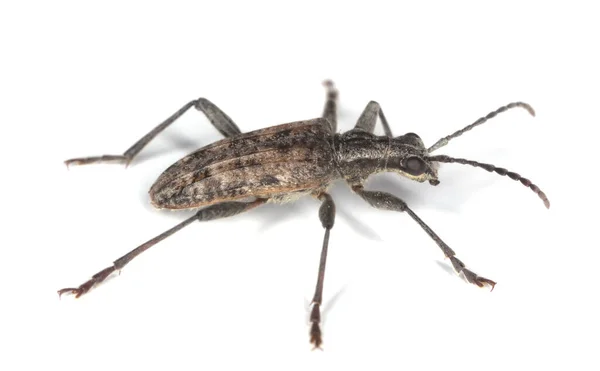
x=284 y=162
x=268 y=163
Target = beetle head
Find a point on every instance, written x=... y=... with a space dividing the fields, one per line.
x=409 y=157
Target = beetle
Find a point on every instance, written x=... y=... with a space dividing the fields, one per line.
x=282 y=163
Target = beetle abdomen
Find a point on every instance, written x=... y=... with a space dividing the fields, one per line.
x=263 y=163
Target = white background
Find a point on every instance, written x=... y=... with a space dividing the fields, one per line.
x=81 y=80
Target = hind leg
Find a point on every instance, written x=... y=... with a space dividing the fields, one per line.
x=223 y=123
x=218 y=211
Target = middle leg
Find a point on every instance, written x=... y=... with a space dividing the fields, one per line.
x=327 y=216
x=330 y=110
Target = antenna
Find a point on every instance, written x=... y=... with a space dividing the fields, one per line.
x=498 y=170
x=442 y=142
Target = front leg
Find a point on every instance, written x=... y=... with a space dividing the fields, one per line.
x=387 y=201
x=368 y=119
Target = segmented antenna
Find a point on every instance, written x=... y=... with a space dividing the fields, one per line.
x=442 y=142
x=514 y=176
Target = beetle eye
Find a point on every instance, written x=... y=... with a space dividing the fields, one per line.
x=415 y=166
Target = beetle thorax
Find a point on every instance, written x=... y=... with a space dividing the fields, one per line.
x=360 y=154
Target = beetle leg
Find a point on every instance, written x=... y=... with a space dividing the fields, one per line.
x=327 y=216
x=329 y=112
x=223 y=123
x=212 y=212
x=368 y=119
x=386 y=201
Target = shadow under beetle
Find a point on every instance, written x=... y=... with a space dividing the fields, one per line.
x=284 y=162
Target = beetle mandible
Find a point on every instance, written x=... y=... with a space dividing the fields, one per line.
x=284 y=162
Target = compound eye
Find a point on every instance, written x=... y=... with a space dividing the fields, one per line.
x=415 y=166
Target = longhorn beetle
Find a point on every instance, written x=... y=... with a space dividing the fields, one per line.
x=284 y=162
